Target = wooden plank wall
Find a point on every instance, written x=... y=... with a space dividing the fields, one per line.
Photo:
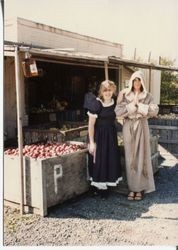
x=10 y=111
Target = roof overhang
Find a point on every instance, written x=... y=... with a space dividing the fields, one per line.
x=59 y=55
x=70 y=56
x=132 y=63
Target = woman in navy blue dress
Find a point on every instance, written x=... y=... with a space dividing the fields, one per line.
x=104 y=159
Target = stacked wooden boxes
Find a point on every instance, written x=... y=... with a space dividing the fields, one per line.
x=167 y=131
x=33 y=135
x=154 y=152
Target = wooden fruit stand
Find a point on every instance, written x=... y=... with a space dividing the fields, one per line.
x=33 y=135
x=47 y=181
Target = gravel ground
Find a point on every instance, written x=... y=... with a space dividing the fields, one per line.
x=104 y=221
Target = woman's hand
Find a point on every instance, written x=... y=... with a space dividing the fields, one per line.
x=135 y=100
x=92 y=147
x=121 y=95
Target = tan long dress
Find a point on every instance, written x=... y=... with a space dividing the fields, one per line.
x=136 y=136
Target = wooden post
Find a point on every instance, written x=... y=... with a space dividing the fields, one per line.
x=149 y=80
x=135 y=52
x=106 y=70
x=120 y=69
x=19 y=127
x=159 y=60
x=149 y=57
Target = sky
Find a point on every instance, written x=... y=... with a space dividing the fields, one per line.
x=147 y=25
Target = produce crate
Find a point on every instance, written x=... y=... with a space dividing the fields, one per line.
x=32 y=135
x=69 y=125
x=62 y=116
x=167 y=109
x=153 y=144
x=163 y=121
x=47 y=182
x=36 y=118
x=167 y=131
x=77 y=134
x=71 y=115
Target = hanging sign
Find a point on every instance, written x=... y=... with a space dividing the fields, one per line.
x=29 y=67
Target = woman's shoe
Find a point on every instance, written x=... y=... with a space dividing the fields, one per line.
x=104 y=193
x=131 y=196
x=139 y=196
x=93 y=191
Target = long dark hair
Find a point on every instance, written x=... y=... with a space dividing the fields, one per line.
x=141 y=88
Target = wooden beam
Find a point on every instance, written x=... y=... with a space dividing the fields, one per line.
x=149 y=87
x=126 y=62
x=163 y=127
x=106 y=70
x=76 y=63
x=120 y=69
x=19 y=127
x=9 y=53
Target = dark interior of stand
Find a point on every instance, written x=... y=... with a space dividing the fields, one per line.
x=62 y=82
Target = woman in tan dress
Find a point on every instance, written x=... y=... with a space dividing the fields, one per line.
x=135 y=105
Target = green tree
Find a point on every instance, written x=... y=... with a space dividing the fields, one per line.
x=169 y=84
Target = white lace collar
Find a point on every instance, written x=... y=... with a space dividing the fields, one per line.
x=106 y=104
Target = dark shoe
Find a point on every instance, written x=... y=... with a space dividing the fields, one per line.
x=139 y=196
x=104 y=193
x=131 y=196
x=93 y=191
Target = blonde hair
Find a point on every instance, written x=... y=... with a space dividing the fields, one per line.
x=105 y=85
